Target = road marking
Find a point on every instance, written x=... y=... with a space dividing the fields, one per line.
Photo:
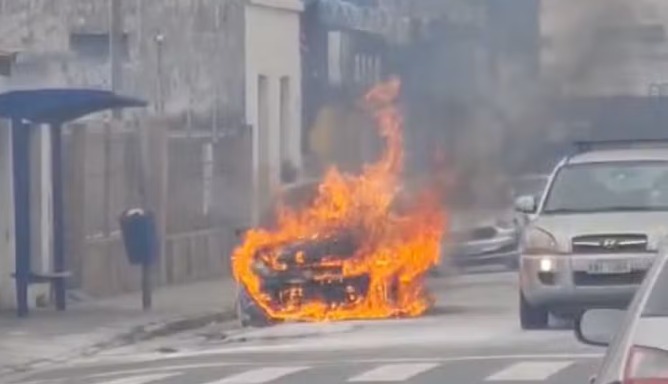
x=143 y=379
x=177 y=367
x=393 y=372
x=327 y=362
x=45 y=381
x=529 y=371
x=260 y=375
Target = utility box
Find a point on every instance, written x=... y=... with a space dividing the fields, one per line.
x=139 y=236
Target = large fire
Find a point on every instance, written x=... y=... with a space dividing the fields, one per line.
x=394 y=247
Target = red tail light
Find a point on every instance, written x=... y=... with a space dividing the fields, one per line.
x=646 y=366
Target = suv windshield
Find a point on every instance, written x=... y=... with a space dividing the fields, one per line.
x=609 y=187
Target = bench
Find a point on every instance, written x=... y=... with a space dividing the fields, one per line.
x=47 y=277
x=55 y=279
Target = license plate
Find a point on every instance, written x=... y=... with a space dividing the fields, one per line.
x=608 y=267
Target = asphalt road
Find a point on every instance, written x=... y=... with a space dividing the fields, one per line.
x=472 y=336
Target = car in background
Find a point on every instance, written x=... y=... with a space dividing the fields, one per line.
x=492 y=236
x=483 y=238
x=595 y=231
x=637 y=339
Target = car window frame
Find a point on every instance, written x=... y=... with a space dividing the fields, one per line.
x=564 y=164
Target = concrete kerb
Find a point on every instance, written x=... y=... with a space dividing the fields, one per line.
x=136 y=334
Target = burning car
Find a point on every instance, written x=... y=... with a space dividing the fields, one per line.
x=308 y=267
x=347 y=246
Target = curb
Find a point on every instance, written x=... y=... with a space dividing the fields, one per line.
x=136 y=334
x=160 y=329
x=245 y=336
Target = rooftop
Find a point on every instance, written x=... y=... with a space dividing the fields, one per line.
x=627 y=154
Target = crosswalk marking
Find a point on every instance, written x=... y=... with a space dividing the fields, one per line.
x=393 y=372
x=529 y=371
x=141 y=379
x=260 y=375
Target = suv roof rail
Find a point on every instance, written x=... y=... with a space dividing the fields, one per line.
x=586 y=146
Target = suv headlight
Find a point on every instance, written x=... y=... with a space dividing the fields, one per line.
x=538 y=241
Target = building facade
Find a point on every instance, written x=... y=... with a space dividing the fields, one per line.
x=198 y=64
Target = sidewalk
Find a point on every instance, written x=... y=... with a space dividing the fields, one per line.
x=48 y=336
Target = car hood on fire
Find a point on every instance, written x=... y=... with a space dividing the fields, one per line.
x=563 y=227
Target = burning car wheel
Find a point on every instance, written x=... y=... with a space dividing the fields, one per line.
x=248 y=313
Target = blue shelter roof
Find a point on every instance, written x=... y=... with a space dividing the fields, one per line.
x=60 y=105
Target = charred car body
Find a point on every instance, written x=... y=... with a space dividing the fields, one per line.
x=304 y=271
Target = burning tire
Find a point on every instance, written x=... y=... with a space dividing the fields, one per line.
x=248 y=313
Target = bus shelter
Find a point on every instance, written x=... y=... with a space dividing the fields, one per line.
x=28 y=111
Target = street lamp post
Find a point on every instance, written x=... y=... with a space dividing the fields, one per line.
x=159 y=42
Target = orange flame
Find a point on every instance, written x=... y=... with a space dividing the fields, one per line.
x=397 y=249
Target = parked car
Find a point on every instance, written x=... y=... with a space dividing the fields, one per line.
x=594 y=232
x=483 y=238
x=637 y=339
x=491 y=236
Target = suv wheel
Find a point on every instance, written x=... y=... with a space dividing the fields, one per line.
x=532 y=317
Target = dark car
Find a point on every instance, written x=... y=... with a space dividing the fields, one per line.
x=301 y=277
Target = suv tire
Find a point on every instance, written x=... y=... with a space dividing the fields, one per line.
x=532 y=317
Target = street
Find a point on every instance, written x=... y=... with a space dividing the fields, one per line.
x=472 y=336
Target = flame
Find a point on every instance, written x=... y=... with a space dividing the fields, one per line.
x=397 y=247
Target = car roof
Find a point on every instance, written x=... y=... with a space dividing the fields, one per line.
x=612 y=155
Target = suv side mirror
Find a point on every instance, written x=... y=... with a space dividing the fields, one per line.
x=526 y=204
x=598 y=326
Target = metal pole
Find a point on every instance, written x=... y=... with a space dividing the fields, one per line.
x=147 y=267
x=58 y=219
x=159 y=41
x=146 y=286
x=115 y=34
x=21 y=176
x=115 y=47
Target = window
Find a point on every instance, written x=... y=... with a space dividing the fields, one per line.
x=334 y=57
x=207 y=177
x=285 y=119
x=95 y=45
x=609 y=187
x=263 y=118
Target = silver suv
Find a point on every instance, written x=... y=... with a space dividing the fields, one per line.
x=595 y=230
